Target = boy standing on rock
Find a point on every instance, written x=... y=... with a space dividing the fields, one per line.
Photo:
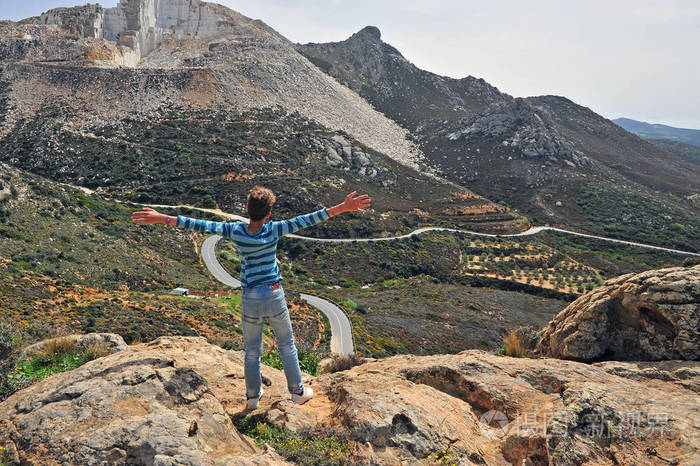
x=262 y=294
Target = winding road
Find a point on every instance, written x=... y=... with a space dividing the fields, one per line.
x=341 y=328
x=530 y=232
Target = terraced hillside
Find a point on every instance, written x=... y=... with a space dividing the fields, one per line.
x=442 y=292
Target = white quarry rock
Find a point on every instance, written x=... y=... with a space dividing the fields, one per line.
x=140 y=24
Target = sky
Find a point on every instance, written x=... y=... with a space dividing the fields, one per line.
x=634 y=58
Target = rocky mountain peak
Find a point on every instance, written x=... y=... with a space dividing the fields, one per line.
x=368 y=33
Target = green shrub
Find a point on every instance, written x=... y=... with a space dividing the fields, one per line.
x=57 y=355
x=308 y=362
x=322 y=446
x=271 y=358
x=234 y=345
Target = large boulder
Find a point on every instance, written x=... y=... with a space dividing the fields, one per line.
x=147 y=404
x=170 y=402
x=654 y=315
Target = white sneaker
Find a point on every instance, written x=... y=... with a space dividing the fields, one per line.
x=304 y=397
x=253 y=402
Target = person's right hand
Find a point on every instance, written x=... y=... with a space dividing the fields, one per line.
x=147 y=216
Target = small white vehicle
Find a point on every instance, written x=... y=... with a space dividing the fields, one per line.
x=180 y=292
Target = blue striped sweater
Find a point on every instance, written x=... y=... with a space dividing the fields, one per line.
x=259 y=251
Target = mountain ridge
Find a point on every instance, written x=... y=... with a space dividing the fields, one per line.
x=537 y=154
x=660 y=131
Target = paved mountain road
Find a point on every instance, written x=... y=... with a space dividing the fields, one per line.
x=215 y=268
x=530 y=232
x=341 y=328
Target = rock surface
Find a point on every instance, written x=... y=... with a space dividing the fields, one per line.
x=150 y=404
x=523 y=127
x=653 y=315
x=170 y=401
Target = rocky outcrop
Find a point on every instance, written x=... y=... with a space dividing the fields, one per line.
x=152 y=404
x=523 y=129
x=653 y=315
x=170 y=402
x=683 y=373
x=341 y=151
x=141 y=25
x=84 y=21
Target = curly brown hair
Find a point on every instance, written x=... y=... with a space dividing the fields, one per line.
x=260 y=201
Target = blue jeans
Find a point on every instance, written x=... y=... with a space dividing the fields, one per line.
x=257 y=305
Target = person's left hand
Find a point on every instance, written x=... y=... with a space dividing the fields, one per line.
x=356 y=204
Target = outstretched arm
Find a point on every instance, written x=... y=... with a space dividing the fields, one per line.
x=147 y=216
x=350 y=204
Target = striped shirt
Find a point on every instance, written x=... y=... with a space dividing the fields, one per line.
x=259 y=251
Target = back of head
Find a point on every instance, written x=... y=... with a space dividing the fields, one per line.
x=260 y=201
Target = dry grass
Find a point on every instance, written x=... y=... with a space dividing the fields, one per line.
x=136 y=341
x=97 y=350
x=342 y=363
x=56 y=347
x=514 y=346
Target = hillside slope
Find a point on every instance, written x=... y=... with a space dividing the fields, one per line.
x=213 y=157
x=687 y=151
x=198 y=114
x=539 y=154
x=75 y=262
